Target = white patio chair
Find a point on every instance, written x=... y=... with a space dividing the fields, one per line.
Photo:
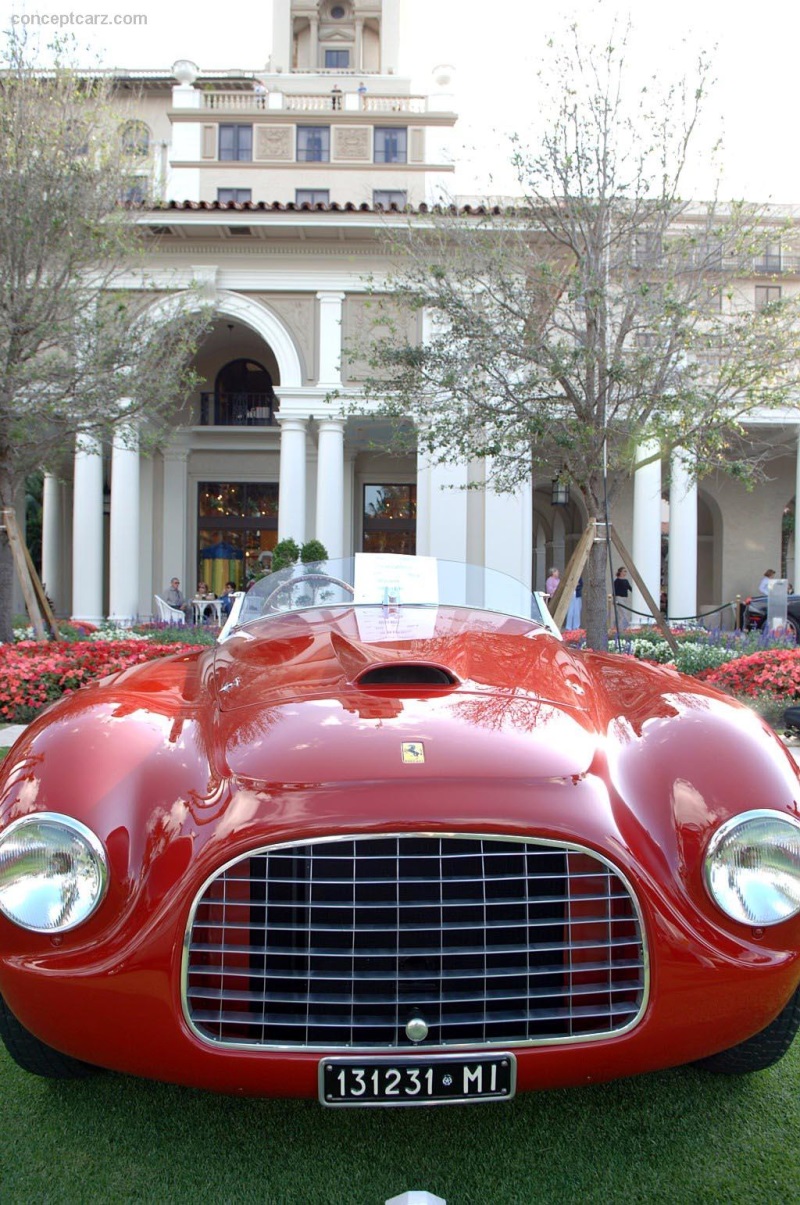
x=168 y=614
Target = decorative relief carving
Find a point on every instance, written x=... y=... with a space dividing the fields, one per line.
x=363 y=320
x=273 y=142
x=298 y=313
x=351 y=142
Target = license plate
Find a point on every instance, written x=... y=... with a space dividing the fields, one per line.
x=438 y=1080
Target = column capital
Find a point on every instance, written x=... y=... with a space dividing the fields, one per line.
x=292 y=422
x=331 y=424
x=330 y=295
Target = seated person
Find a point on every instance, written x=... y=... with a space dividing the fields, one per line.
x=226 y=597
x=208 y=613
x=175 y=598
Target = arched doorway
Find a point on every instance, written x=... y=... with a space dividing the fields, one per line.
x=556 y=532
x=244 y=395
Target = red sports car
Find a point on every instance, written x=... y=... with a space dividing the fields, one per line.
x=390 y=842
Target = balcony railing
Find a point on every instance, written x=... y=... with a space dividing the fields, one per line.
x=260 y=102
x=238 y=410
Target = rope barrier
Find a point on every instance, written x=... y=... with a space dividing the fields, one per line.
x=678 y=618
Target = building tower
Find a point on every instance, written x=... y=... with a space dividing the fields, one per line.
x=328 y=122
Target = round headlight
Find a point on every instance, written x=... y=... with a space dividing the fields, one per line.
x=53 y=872
x=752 y=868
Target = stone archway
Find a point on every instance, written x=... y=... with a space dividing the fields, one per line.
x=556 y=532
x=255 y=315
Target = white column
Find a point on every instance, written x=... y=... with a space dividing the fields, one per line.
x=647 y=528
x=330 y=339
x=52 y=575
x=682 y=563
x=442 y=500
x=87 y=531
x=174 y=559
x=509 y=531
x=358 y=50
x=330 y=486
x=559 y=544
x=292 y=486
x=313 y=49
x=123 y=569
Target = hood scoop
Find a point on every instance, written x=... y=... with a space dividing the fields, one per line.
x=366 y=666
x=398 y=673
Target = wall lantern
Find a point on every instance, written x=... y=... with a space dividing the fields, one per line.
x=559 y=495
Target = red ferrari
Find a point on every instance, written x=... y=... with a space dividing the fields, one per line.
x=390 y=842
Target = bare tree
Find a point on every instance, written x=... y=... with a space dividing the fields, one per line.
x=600 y=312
x=79 y=350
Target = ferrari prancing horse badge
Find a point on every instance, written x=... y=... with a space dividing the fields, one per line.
x=413 y=751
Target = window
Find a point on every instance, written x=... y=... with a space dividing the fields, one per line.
x=390 y=519
x=237 y=522
x=337 y=12
x=134 y=193
x=312 y=196
x=767 y=295
x=313 y=144
x=236 y=142
x=337 y=60
x=389 y=196
x=238 y=195
x=770 y=260
x=647 y=248
x=390 y=144
x=135 y=138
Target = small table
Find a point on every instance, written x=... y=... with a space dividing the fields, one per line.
x=200 y=605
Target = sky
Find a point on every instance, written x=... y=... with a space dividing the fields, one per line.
x=495 y=49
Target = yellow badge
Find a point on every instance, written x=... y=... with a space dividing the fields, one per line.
x=413 y=751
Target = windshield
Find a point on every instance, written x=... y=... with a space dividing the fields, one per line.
x=390 y=581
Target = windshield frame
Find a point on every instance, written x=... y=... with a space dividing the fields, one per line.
x=392 y=582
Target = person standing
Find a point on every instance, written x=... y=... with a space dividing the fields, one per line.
x=553 y=582
x=766 y=581
x=622 y=587
x=573 y=620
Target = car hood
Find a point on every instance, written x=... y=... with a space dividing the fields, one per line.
x=476 y=694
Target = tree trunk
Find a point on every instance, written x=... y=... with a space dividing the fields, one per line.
x=7 y=493
x=594 y=611
x=6 y=591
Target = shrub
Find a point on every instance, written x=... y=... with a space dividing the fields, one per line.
x=313 y=551
x=284 y=554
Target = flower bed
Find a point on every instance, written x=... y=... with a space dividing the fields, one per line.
x=34 y=673
x=774 y=672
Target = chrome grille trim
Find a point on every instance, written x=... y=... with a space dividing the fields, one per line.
x=273 y=959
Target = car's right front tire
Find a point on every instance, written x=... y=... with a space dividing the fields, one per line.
x=763 y=1049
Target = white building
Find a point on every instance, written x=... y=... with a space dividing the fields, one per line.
x=276 y=187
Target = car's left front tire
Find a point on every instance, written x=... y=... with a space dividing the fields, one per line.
x=34 y=1056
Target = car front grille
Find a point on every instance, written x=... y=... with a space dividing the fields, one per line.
x=470 y=940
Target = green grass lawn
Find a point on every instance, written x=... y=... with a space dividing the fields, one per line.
x=674 y=1136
